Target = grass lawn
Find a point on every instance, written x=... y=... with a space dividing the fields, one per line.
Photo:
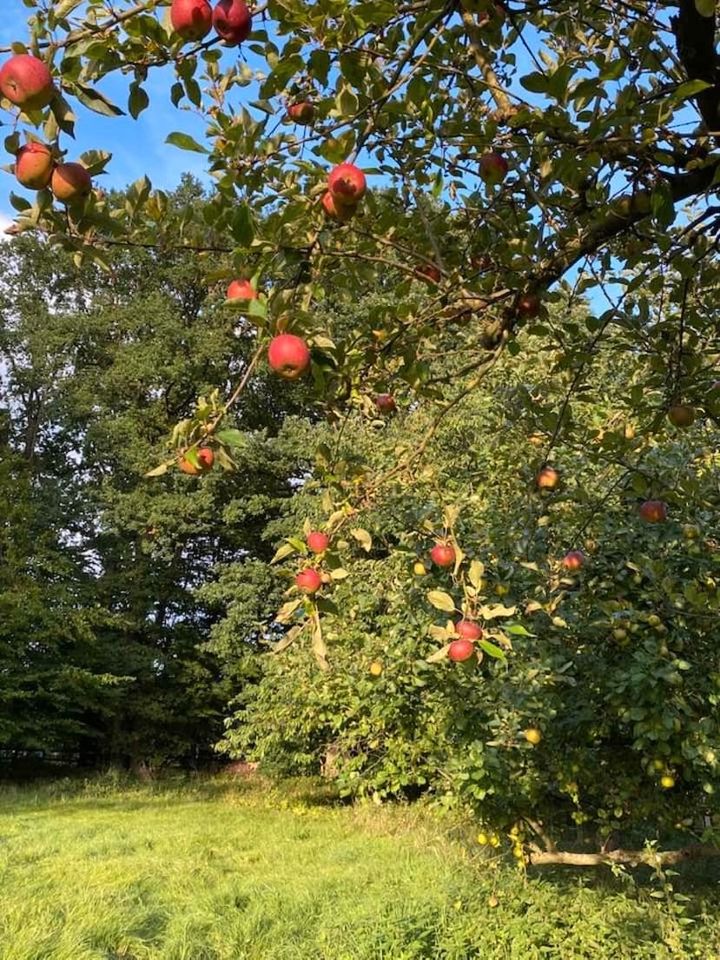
x=223 y=871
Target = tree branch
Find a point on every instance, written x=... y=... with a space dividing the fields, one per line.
x=633 y=858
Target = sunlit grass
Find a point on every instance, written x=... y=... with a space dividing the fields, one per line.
x=221 y=871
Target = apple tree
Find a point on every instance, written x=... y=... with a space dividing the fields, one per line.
x=412 y=196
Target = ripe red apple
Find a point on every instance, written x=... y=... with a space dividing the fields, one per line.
x=443 y=555
x=385 y=402
x=347 y=184
x=27 y=82
x=574 y=560
x=191 y=19
x=493 y=168
x=337 y=211
x=70 y=182
x=547 y=479
x=241 y=290
x=302 y=113
x=460 y=650
x=206 y=457
x=654 y=511
x=527 y=305
x=429 y=272
x=232 y=21
x=288 y=356
x=317 y=542
x=34 y=165
x=309 y=581
x=468 y=630
x=681 y=415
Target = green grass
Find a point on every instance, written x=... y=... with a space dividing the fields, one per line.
x=220 y=871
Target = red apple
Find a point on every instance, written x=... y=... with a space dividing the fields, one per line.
x=460 y=650
x=574 y=560
x=206 y=457
x=34 y=165
x=443 y=555
x=26 y=82
x=654 y=511
x=429 y=272
x=302 y=113
x=681 y=415
x=347 y=184
x=527 y=305
x=385 y=402
x=468 y=630
x=547 y=479
x=188 y=467
x=70 y=182
x=493 y=168
x=232 y=21
x=288 y=356
x=309 y=581
x=317 y=542
x=241 y=290
x=336 y=211
x=191 y=19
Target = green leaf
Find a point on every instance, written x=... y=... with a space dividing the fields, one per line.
x=535 y=82
x=292 y=634
x=438 y=655
x=706 y=8
x=363 y=538
x=138 y=100
x=157 y=471
x=232 y=437
x=185 y=142
x=286 y=611
x=441 y=600
x=318 y=645
x=491 y=650
x=286 y=550
x=517 y=630
x=339 y=573
x=96 y=101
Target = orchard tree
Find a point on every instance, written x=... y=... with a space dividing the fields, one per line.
x=488 y=166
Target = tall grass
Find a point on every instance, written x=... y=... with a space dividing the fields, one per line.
x=222 y=871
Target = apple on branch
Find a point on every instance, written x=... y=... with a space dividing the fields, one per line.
x=289 y=356
x=241 y=290
x=468 y=630
x=27 y=82
x=191 y=19
x=493 y=168
x=34 y=165
x=232 y=21
x=317 y=541
x=654 y=511
x=548 y=478
x=347 y=185
x=681 y=415
x=460 y=650
x=302 y=112
x=343 y=213
x=308 y=581
x=443 y=555
x=71 y=183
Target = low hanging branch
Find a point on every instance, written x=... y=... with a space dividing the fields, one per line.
x=632 y=858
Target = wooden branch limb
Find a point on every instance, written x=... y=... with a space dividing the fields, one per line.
x=695 y=39
x=502 y=101
x=632 y=858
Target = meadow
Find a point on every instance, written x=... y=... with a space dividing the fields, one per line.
x=222 y=870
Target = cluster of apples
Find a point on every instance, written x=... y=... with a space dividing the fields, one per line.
x=345 y=189
x=205 y=461
x=309 y=580
x=27 y=83
x=194 y=19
